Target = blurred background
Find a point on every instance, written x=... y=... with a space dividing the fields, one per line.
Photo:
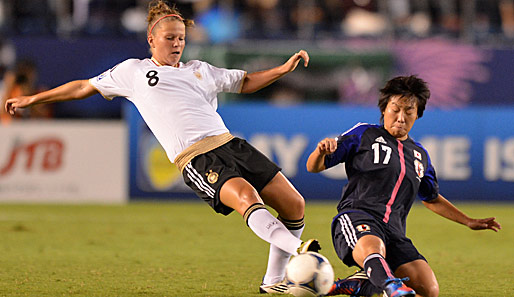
x=464 y=49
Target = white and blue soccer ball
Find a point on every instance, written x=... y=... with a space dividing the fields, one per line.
x=309 y=275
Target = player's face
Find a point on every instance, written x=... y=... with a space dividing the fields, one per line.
x=167 y=42
x=399 y=116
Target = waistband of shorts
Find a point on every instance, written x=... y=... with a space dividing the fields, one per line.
x=344 y=211
x=201 y=147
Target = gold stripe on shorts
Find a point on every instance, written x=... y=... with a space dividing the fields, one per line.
x=201 y=147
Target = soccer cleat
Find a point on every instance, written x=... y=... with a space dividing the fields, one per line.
x=278 y=288
x=394 y=287
x=350 y=285
x=311 y=245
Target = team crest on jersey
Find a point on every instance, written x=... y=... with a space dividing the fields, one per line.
x=420 y=169
x=102 y=75
x=417 y=155
x=212 y=177
x=198 y=74
x=363 y=228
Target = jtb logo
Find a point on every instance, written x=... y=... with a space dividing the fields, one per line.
x=49 y=151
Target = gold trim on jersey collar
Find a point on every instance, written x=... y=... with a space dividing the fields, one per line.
x=155 y=61
x=161 y=65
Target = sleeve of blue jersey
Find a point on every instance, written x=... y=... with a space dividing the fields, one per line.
x=347 y=144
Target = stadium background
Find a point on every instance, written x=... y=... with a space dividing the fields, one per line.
x=100 y=151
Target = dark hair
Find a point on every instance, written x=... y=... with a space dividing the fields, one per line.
x=410 y=87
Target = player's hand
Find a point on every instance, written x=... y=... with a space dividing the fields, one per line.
x=327 y=146
x=484 y=224
x=295 y=59
x=18 y=102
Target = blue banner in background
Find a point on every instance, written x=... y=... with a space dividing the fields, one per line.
x=459 y=75
x=472 y=149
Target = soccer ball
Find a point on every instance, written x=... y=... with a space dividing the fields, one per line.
x=309 y=275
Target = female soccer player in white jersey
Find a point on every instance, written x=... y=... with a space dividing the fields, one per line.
x=178 y=102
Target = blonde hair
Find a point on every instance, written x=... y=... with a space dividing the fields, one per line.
x=157 y=9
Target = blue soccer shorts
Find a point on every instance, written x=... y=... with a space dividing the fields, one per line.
x=349 y=226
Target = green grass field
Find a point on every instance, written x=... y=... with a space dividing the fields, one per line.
x=185 y=249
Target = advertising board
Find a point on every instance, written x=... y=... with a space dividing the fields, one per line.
x=472 y=149
x=63 y=161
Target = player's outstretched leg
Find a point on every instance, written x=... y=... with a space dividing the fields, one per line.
x=290 y=205
x=380 y=275
x=273 y=280
x=280 y=287
x=268 y=228
x=240 y=195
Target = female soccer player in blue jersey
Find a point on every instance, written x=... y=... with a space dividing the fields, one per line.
x=386 y=171
x=178 y=101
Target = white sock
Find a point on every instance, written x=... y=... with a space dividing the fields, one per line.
x=277 y=262
x=270 y=229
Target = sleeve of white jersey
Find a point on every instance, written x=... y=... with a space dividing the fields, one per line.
x=117 y=81
x=227 y=80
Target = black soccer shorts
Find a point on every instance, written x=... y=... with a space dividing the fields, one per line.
x=206 y=173
x=349 y=226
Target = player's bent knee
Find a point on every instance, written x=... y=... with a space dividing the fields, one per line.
x=297 y=205
x=247 y=197
x=431 y=290
x=239 y=195
x=291 y=209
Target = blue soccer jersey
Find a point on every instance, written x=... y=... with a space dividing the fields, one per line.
x=384 y=174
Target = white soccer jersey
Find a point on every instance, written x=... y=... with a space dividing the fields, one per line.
x=178 y=104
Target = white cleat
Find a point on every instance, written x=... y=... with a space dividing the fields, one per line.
x=278 y=288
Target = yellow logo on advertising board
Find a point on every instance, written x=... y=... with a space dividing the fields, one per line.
x=161 y=172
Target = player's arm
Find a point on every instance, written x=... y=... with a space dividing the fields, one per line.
x=74 y=90
x=446 y=209
x=8 y=81
x=316 y=160
x=258 y=80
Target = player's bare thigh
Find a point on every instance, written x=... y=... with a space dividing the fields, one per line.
x=239 y=194
x=282 y=196
x=367 y=245
x=421 y=278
